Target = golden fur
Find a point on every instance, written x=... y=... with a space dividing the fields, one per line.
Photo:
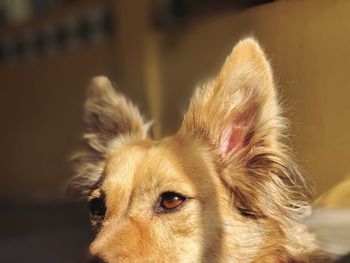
x=244 y=192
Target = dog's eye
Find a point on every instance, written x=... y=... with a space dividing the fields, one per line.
x=97 y=207
x=169 y=201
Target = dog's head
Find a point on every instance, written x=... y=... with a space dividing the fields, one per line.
x=222 y=188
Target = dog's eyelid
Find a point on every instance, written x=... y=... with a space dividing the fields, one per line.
x=248 y=213
x=96 y=192
x=173 y=192
x=185 y=193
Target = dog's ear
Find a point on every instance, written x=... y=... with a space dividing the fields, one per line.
x=238 y=115
x=239 y=103
x=108 y=116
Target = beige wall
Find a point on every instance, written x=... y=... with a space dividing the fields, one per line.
x=308 y=45
x=40 y=111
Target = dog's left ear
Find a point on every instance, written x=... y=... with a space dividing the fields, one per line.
x=238 y=115
x=239 y=106
x=108 y=117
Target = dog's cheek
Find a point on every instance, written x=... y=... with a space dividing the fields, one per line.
x=184 y=231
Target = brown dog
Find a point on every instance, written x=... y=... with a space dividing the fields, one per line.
x=222 y=189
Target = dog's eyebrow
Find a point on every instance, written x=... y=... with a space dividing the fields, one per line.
x=98 y=183
x=101 y=180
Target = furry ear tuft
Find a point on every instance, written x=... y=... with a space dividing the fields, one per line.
x=108 y=115
x=238 y=115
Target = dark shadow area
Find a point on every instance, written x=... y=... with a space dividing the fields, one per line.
x=44 y=233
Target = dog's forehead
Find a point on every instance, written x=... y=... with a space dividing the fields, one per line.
x=127 y=156
x=148 y=161
x=153 y=167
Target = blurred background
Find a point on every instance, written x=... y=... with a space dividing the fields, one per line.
x=156 y=51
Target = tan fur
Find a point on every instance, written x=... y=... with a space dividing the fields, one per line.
x=244 y=191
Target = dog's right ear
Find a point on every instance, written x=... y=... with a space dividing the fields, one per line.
x=108 y=116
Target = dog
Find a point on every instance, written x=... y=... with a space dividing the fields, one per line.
x=224 y=188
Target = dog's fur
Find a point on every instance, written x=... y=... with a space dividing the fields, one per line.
x=244 y=192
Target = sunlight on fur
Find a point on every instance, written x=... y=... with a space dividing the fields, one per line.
x=224 y=188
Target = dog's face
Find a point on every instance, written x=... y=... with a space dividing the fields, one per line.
x=221 y=189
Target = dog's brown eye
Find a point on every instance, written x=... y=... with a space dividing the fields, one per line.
x=97 y=207
x=169 y=201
